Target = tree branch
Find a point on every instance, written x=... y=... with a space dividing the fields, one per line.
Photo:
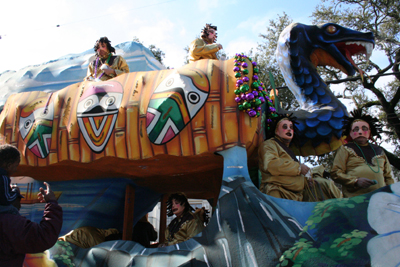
x=378 y=93
x=395 y=100
x=370 y=104
x=396 y=65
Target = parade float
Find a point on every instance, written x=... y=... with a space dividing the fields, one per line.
x=112 y=150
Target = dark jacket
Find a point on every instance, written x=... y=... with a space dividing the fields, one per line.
x=19 y=235
x=143 y=233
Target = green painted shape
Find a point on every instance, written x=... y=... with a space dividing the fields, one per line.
x=40 y=131
x=163 y=106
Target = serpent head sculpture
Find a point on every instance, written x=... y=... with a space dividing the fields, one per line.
x=301 y=48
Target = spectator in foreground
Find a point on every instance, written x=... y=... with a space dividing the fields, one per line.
x=9 y=162
x=20 y=235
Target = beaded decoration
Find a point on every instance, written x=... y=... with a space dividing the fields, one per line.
x=365 y=158
x=249 y=97
x=96 y=65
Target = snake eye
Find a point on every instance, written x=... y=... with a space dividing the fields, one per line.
x=331 y=29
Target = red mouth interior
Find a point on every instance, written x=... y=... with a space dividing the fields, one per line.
x=350 y=50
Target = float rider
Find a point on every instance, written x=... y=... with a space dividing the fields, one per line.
x=360 y=166
x=105 y=66
x=205 y=47
x=282 y=174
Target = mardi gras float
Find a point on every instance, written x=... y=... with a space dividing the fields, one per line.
x=196 y=129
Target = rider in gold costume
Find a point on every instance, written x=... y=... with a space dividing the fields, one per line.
x=359 y=165
x=205 y=47
x=187 y=223
x=105 y=66
x=282 y=174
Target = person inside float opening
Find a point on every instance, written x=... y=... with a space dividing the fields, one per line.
x=205 y=47
x=105 y=66
x=359 y=165
x=187 y=223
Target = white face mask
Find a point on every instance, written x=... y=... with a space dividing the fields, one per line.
x=285 y=130
x=360 y=129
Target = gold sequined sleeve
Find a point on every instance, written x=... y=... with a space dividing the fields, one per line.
x=276 y=163
x=339 y=168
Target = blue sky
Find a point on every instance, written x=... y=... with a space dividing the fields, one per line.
x=30 y=36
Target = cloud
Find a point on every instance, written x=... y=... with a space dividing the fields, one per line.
x=157 y=32
x=239 y=45
x=205 y=5
x=256 y=24
x=119 y=13
x=165 y=35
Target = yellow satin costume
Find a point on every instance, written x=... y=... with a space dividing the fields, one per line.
x=187 y=229
x=119 y=65
x=87 y=236
x=323 y=189
x=200 y=49
x=280 y=174
x=348 y=166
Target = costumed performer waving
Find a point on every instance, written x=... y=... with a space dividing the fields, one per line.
x=105 y=66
